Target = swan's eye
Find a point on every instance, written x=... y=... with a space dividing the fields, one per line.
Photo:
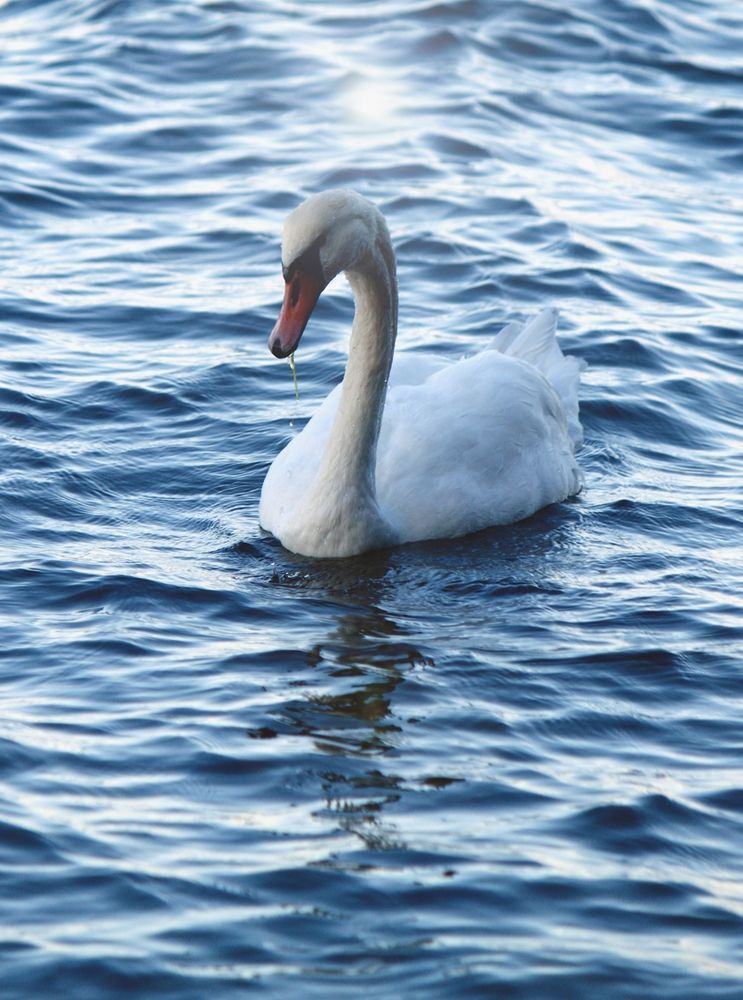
x=295 y=292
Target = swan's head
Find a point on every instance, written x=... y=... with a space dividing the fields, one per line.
x=330 y=232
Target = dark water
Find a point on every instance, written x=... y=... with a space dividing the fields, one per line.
x=509 y=765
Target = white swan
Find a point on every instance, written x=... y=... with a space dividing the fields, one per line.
x=448 y=448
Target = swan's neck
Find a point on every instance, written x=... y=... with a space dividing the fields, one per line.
x=345 y=478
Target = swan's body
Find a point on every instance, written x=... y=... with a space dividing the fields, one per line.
x=448 y=448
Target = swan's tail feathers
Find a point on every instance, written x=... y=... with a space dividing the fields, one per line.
x=536 y=342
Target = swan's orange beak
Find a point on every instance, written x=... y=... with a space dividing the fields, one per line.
x=300 y=297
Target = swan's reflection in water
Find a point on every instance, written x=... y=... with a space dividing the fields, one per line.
x=349 y=716
x=358 y=722
x=367 y=657
x=356 y=703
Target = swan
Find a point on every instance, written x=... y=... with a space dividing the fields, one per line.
x=422 y=448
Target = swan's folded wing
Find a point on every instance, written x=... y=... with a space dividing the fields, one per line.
x=536 y=343
x=483 y=441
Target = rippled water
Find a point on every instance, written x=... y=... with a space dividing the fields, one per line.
x=509 y=765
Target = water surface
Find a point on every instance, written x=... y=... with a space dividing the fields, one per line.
x=507 y=765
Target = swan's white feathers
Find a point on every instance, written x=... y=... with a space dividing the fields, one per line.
x=486 y=440
x=463 y=445
x=536 y=343
x=503 y=340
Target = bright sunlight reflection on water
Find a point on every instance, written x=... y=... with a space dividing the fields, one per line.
x=370 y=100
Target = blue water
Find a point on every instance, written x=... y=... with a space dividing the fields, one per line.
x=509 y=765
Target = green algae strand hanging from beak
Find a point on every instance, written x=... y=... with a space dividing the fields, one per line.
x=293 y=367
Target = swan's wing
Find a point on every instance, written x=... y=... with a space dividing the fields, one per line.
x=535 y=342
x=503 y=340
x=481 y=442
